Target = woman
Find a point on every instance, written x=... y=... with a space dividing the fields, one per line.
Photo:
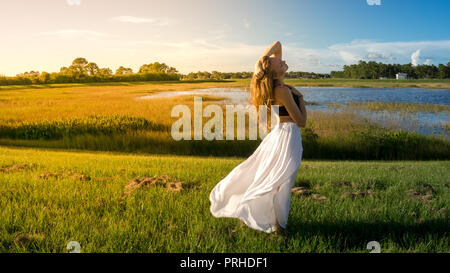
x=258 y=191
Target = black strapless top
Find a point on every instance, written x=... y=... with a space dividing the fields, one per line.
x=282 y=110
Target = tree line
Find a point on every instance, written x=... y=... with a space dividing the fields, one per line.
x=82 y=71
x=374 y=70
x=216 y=75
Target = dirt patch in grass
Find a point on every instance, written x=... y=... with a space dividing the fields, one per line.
x=301 y=191
x=413 y=194
x=18 y=167
x=65 y=173
x=358 y=193
x=24 y=239
x=317 y=196
x=423 y=193
x=49 y=175
x=373 y=184
x=164 y=181
x=344 y=183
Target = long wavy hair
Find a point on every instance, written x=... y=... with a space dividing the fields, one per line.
x=261 y=88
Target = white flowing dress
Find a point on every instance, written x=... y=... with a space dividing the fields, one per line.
x=250 y=191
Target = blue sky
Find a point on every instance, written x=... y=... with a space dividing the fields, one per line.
x=317 y=35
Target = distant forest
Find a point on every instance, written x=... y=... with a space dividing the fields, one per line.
x=374 y=70
x=204 y=75
x=82 y=71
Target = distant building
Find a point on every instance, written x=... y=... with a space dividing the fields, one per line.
x=401 y=76
x=309 y=76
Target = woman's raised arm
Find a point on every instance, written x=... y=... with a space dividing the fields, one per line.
x=274 y=49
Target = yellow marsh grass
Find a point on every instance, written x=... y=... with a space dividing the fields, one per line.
x=54 y=103
x=393 y=107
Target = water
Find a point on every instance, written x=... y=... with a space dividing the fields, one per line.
x=232 y=95
x=422 y=122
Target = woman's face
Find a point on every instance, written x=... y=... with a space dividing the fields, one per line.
x=278 y=66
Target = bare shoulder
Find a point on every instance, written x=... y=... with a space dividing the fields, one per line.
x=281 y=92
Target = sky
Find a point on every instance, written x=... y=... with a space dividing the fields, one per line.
x=227 y=36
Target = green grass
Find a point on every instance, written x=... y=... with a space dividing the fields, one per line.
x=83 y=203
x=138 y=135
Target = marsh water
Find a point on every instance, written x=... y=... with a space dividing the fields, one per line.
x=325 y=99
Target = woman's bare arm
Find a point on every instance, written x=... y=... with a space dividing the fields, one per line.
x=297 y=113
x=302 y=109
x=301 y=101
x=294 y=90
x=274 y=49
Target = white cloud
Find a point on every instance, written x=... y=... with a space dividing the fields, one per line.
x=415 y=57
x=427 y=62
x=73 y=2
x=389 y=51
x=140 y=20
x=378 y=56
x=374 y=2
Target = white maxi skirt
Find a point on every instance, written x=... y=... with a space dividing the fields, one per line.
x=249 y=192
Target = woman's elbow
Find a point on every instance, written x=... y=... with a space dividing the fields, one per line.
x=301 y=125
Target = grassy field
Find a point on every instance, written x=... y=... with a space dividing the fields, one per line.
x=90 y=163
x=49 y=198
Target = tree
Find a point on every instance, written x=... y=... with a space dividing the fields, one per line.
x=105 y=72
x=172 y=70
x=64 y=70
x=92 y=69
x=122 y=71
x=78 y=68
x=216 y=75
x=157 y=67
x=44 y=77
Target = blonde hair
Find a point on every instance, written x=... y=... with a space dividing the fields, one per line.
x=261 y=88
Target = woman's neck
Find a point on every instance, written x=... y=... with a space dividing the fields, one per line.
x=279 y=81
